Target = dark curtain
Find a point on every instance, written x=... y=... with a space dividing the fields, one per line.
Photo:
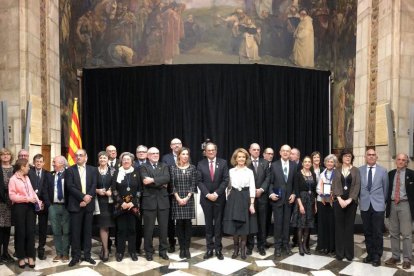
x=233 y=105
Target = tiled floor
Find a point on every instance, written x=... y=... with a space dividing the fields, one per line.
x=294 y=265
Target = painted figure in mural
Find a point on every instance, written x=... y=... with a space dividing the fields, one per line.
x=173 y=31
x=303 y=49
x=273 y=30
x=84 y=34
x=192 y=34
x=292 y=22
x=322 y=27
x=251 y=37
x=141 y=14
x=153 y=39
x=263 y=5
x=234 y=20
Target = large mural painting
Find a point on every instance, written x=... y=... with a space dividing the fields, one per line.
x=318 y=34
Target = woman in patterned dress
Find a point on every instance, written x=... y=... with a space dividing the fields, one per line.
x=6 y=159
x=184 y=185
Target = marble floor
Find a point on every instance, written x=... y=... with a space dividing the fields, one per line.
x=317 y=265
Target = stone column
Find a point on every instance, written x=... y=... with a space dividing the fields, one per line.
x=29 y=71
x=384 y=74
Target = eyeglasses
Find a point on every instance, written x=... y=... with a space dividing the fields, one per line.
x=271 y=153
x=153 y=153
x=141 y=152
x=79 y=155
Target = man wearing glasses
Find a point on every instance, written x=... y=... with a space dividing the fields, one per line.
x=81 y=185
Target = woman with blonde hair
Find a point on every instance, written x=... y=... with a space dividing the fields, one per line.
x=239 y=214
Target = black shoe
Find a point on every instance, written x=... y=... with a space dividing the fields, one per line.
x=7 y=258
x=171 y=249
x=367 y=260
x=148 y=257
x=187 y=253
x=89 y=260
x=133 y=256
x=164 y=256
x=376 y=263
x=41 y=254
x=182 y=254
x=249 y=251
x=21 y=266
x=219 y=255
x=289 y=252
x=119 y=257
x=73 y=262
x=208 y=254
x=262 y=252
x=278 y=253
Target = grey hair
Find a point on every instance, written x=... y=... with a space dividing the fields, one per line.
x=331 y=157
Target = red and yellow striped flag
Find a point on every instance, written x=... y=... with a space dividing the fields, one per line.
x=75 y=140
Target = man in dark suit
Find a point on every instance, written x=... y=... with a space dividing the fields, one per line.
x=260 y=168
x=141 y=154
x=400 y=211
x=282 y=195
x=372 y=198
x=295 y=157
x=56 y=196
x=81 y=185
x=39 y=179
x=214 y=178
x=170 y=159
x=113 y=162
x=155 y=177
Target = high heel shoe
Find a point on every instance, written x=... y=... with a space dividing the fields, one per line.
x=33 y=264
x=105 y=257
x=22 y=266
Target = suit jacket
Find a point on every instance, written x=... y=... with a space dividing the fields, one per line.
x=39 y=185
x=218 y=185
x=278 y=181
x=379 y=190
x=155 y=194
x=74 y=188
x=168 y=159
x=262 y=179
x=137 y=165
x=49 y=191
x=409 y=188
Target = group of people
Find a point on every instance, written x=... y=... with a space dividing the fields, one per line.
x=130 y=194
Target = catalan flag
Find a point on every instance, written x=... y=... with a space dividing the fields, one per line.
x=75 y=140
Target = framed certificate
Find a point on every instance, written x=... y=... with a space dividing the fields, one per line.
x=327 y=189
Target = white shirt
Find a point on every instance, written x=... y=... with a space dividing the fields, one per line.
x=374 y=167
x=214 y=164
x=241 y=178
x=285 y=164
x=55 y=193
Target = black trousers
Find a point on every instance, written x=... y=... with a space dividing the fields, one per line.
x=24 y=222
x=139 y=233
x=281 y=220
x=42 y=226
x=126 y=232
x=326 y=227
x=4 y=239
x=344 y=230
x=213 y=215
x=373 y=221
x=183 y=229
x=149 y=217
x=261 y=211
x=171 y=226
x=81 y=233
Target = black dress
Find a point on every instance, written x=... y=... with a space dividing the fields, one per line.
x=306 y=192
x=106 y=206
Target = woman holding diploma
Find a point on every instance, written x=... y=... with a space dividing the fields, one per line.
x=305 y=206
x=346 y=184
x=326 y=221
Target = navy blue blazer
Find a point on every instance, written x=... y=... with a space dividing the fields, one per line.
x=218 y=185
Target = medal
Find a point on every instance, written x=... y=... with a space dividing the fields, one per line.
x=346 y=188
x=128 y=189
x=310 y=192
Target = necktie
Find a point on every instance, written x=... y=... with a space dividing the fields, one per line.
x=112 y=164
x=397 y=188
x=37 y=180
x=154 y=166
x=369 y=179
x=82 y=178
x=285 y=172
x=211 y=170
x=255 y=165
x=59 y=187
